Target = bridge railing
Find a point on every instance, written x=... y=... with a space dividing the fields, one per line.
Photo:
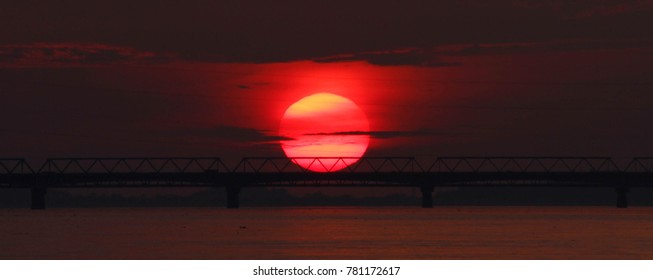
x=14 y=166
x=133 y=165
x=523 y=164
x=328 y=164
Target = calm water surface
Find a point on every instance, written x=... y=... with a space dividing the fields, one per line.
x=328 y=233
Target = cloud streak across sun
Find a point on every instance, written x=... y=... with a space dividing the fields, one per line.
x=379 y=134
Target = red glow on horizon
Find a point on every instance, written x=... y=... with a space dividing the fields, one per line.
x=324 y=125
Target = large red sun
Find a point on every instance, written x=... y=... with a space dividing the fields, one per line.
x=326 y=126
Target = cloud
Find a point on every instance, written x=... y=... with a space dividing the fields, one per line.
x=405 y=57
x=384 y=134
x=252 y=85
x=489 y=48
x=230 y=133
x=445 y=55
x=73 y=54
x=280 y=31
x=510 y=48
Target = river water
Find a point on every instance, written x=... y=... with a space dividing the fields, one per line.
x=328 y=233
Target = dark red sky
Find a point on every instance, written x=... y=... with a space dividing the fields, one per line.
x=212 y=78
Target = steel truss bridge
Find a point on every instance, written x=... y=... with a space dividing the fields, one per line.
x=522 y=172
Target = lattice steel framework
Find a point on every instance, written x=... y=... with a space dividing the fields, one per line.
x=640 y=164
x=366 y=171
x=364 y=164
x=523 y=164
x=289 y=165
x=133 y=165
x=15 y=166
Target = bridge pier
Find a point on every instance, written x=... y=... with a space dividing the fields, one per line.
x=622 y=199
x=38 y=198
x=233 y=194
x=427 y=196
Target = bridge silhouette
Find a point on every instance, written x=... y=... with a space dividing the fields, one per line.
x=522 y=172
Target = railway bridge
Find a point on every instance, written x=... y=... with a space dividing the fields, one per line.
x=250 y=172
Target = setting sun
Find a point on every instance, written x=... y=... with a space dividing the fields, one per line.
x=324 y=125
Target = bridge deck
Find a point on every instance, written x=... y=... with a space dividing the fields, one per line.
x=302 y=179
